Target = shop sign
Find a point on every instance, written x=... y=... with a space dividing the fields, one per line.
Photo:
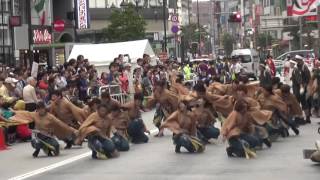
x=82 y=14
x=41 y=36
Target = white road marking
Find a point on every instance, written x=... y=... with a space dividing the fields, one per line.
x=53 y=166
x=59 y=164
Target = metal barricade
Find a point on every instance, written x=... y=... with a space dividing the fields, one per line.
x=115 y=92
x=89 y=91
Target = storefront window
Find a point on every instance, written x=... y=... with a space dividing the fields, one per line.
x=4 y=5
x=98 y=3
x=5 y=35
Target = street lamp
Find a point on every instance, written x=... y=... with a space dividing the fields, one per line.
x=124 y=4
x=137 y=4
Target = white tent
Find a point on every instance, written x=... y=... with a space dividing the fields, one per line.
x=103 y=54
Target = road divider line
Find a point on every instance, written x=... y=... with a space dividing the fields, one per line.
x=59 y=164
x=53 y=166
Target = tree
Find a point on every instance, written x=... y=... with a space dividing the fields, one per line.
x=125 y=25
x=227 y=42
x=294 y=32
x=190 y=34
x=264 y=40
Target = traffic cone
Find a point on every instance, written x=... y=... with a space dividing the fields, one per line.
x=2 y=140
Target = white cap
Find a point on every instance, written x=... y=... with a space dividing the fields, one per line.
x=11 y=81
x=127 y=65
x=293 y=62
x=298 y=57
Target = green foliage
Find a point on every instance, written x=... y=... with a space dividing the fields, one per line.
x=294 y=33
x=191 y=32
x=264 y=40
x=125 y=25
x=191 y=36
x=227 y=42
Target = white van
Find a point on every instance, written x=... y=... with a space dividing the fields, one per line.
x=249 y=60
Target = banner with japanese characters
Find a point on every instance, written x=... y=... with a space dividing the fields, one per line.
x=302 y=7
x=82 y=14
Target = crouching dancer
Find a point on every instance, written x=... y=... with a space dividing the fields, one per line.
x=97 y=128
x=136 y=128
x=238 y=129
x=47 y=128
x=206 y=119
x=183 y=125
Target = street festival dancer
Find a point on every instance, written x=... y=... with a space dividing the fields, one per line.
x=253 y=113
x=182 y=123
x=47 y=127
x=136 y=128
x=97 y=128
x=167 y=100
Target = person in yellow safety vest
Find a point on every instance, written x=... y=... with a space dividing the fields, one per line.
x=187 y=72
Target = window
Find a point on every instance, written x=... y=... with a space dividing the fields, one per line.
x=98 y=3
x=245 y=58
x=5 y=5
x=5 y=33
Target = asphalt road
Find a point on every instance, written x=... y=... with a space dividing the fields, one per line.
x=158 y=161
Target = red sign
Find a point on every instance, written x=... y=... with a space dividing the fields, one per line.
x=59 y=25
x=41 y=36
x=15 y=21
x=163 y=56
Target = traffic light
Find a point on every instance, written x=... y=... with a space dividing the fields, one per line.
x=235 y=17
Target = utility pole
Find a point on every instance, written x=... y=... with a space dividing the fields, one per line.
x=164 y=5
x=198 y=22
x=212 y=17
x=189 y=18
x=318 y=19
x=300 y=29
x=242 y=22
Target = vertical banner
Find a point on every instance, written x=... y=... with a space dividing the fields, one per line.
x=82 y=14
x=302 y=7
x=289 y=7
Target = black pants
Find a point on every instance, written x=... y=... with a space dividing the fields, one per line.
x=46 y=143
x=207 y=133
x=31 y=107
x=136 y=131
x=121 y=143
x=102 y=145
x=305 y=102
x=191 y=144
x=236 y=144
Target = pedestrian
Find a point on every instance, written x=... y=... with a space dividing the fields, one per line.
x=265 y=77
x=300 y=80
x=271 y=65
x=29 y=95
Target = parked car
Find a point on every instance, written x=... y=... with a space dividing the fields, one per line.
x=308 y=55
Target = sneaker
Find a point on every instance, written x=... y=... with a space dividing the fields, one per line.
x=177 y=149
x=267 y=142
x=308 y=121
x=94 y=155
x=295 y=130
x=230 y=152
x=36 y=153
x=68 y=146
